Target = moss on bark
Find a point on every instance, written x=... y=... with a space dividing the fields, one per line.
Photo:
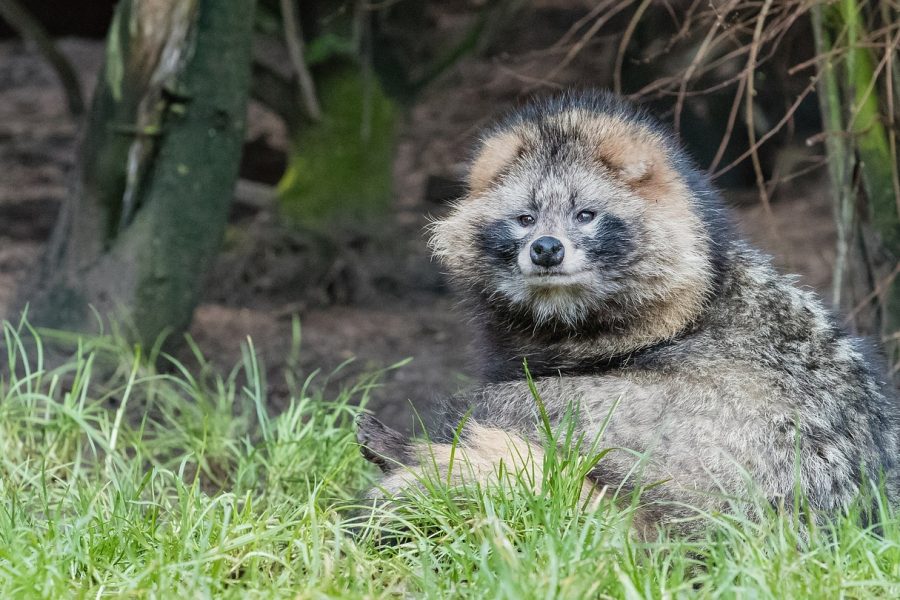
x=157 y=168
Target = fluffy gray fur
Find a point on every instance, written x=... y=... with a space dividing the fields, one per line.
x=710 y=365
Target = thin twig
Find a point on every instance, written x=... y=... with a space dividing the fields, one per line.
x=750 y=102
x=31 y=29
x=659 y=85
x=790 y=113
x=872 y=83
x=570 y=33
x=623 y=45
x=729 y=127
x=705 y=46
x=293 y=39
x=599 y=22
x=875 y=293
x=892 y=127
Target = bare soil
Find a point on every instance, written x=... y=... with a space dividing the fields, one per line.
x=364 y=290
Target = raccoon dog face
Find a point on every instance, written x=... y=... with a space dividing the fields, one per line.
x=579 y=214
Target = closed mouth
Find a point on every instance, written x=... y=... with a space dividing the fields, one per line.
x=551 y=279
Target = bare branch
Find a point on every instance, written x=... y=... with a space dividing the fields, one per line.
x=30 y=28
x=293 y=38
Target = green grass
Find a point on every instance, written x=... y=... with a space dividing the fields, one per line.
x=117 y=480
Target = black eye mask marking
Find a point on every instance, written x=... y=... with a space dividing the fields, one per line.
x=611 y=242
x=498 y=244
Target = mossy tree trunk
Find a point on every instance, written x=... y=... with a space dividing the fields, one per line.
x=857 y=106
x=157 y=166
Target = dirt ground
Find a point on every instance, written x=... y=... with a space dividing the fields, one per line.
x=380 y=298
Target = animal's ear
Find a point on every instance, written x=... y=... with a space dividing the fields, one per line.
x=496 y=153
x=631 y=160
x=381 y=445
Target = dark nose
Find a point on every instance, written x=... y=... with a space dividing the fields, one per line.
x=547 y=251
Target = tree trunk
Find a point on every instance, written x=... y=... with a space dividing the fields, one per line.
x=157 y=167
x=856 y=109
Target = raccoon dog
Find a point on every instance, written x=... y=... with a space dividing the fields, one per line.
x=590 y=245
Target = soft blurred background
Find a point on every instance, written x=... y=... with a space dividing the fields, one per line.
x=133 y=189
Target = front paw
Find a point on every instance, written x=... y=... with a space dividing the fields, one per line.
x=381 y=445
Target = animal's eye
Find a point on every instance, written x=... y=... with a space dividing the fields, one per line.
x=526 y=220
x=585 y=216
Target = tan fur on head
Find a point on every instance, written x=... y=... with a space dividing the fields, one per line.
x=632 y=152
x=496 y=154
